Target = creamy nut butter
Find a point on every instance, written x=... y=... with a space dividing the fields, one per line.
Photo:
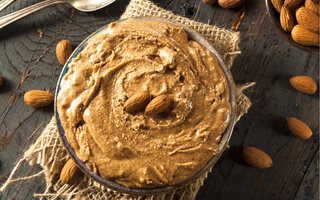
x=135 y=149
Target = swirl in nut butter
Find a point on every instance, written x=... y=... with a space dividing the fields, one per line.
x=135 y=149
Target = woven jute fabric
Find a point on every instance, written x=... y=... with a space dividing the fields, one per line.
x=49 y=152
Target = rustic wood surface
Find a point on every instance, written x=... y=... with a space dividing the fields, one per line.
x=27 y=61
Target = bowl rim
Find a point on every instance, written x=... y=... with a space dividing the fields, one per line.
x=276 y=23
x=193 y=35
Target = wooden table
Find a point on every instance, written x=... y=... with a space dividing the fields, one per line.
x=27 y=61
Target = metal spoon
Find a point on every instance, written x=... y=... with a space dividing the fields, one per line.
x=5 y=3
x=82 y=5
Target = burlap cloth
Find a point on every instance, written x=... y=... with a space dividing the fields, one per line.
x=48 y=151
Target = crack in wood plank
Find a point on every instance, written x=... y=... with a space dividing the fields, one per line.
x=239 y=16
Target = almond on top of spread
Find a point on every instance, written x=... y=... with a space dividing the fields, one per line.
x=136 y=149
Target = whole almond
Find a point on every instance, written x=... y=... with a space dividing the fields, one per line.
x=277 y=4
x=314 y=7
x=70 y=173
x=299 y=128
x=256 y=158
x=308 y=19
x=304 y=37
x=137 y=102
x=38 y=98
x=157 y=105
x=292 y=3
x=63 y=51
x=286 y=19
x=304 y=84
x=210 y=2
x=230 y=3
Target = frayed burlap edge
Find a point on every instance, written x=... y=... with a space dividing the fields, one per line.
x=48 y=151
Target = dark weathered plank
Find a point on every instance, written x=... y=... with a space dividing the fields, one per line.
x=27 y=61
x=310 y=184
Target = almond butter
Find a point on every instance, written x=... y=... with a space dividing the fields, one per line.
x=38 y=98
x=277 y=4
x=230 y=3
x=256 y=158
x=314 y=7
x=292 y=3
x=299 y=128
x=308 y=19
x=157 y=105
x=304 y=84
x=137 y=102
x=304 y=37
x=63 y=51
x=286 y=19
x=70 y=173
x=210 y=2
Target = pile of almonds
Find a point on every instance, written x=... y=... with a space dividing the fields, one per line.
x=225 y=3
x=301 y=18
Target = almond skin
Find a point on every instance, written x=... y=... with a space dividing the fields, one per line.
x=157 y=105
x=304 y=84
x=230 y=3
x=304 y=37
x=314 y=7
x=63 y=51
x=286 y=19
x=277 y=4
x=210 y=2
x=308 y=19
x=137 y=102
x=70 y=173
x=256 y=158
x=38 y=98
x=299 y=128
x=292 y=3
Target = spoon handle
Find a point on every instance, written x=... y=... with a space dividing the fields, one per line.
x=7 y=19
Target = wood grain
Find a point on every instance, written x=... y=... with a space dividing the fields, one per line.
x=28 y=62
